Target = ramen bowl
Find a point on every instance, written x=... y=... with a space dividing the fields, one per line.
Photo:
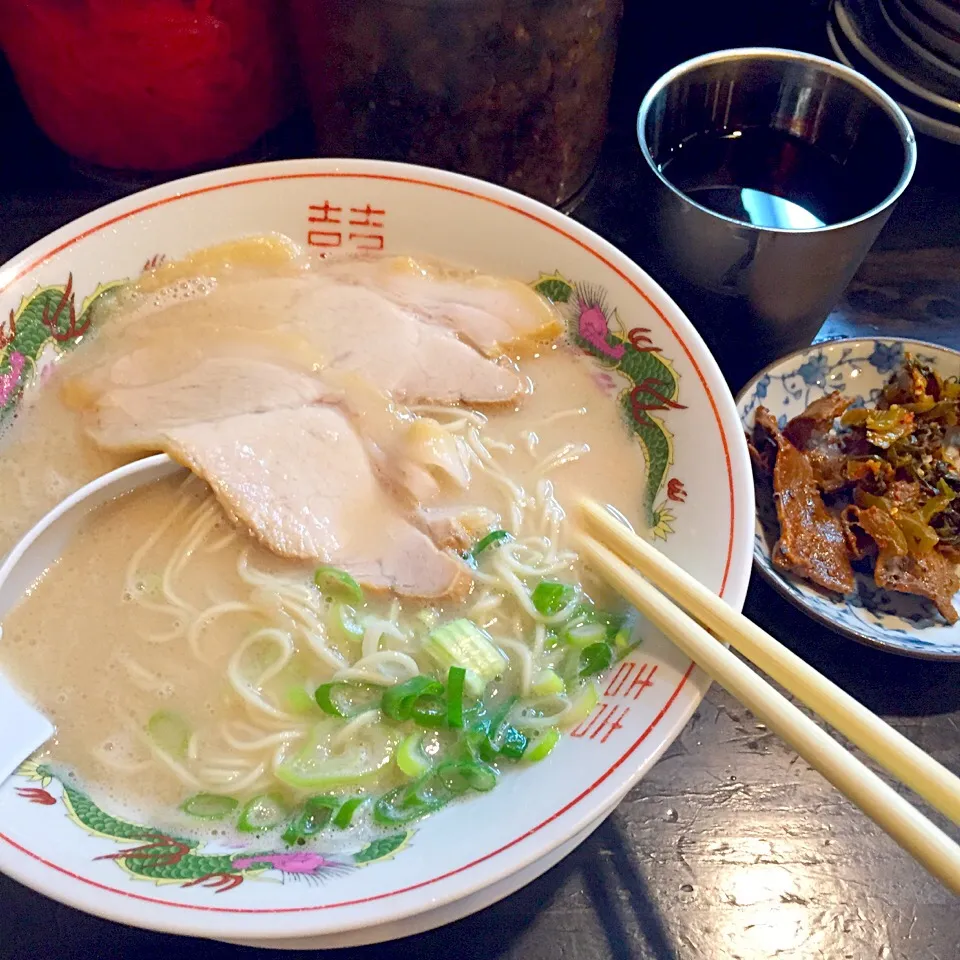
x=697 y=496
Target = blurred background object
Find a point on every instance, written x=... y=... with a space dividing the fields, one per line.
x=511 y=91
x=152 y=85
x=909 y=47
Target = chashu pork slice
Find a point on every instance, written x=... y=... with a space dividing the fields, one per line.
x=137 y=418
x=496 y=314
x=272 y=343
x=392 y=345
x=301 y=481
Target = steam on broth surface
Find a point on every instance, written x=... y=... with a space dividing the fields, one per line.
x=180 y=657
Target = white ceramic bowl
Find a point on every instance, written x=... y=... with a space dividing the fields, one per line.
x=699 y=494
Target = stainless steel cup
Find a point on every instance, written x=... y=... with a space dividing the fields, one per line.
x=777 y=285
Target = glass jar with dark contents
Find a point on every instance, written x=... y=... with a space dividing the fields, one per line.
x=512 y=91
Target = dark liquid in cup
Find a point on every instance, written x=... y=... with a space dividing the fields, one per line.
x=772 y=179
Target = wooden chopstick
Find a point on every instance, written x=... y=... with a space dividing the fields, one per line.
x=928 y=844
x=876 y=738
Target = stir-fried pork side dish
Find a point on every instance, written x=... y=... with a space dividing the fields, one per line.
x=869 y=488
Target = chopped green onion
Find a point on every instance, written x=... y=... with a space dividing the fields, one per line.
x=390 y=810
x=458 y=776
x=585 y=612
x=208 y=806
x=261 y=813
x=345 y=698
x=318 y=767
x=495 y=536
x=543 y=746
x=582 y=705
x=338 y=583
x=514 y=744
x=614 y=623
x=410 y=757
x=498 y=731
x=549 y=597
x=397 y=702
x=461 y=643
x=623 y=642
x=584 y=634
x=428 y=616
x=547 y=683
x=298 y=700
x=595 y=659
x=348 y=811
x=429 y=710
x=456 y=676
x=170 y=732
x=345 y=619
x=403 y=804
x=317 y=812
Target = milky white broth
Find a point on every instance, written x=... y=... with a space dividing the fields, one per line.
x=96 y=646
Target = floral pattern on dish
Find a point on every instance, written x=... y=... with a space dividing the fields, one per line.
x=896 y=622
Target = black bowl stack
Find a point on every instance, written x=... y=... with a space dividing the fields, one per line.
x=911 y=48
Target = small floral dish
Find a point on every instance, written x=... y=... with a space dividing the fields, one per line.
x=896 y=622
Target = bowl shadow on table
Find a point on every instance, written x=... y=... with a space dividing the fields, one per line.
x=887 y=684
x=603 y=867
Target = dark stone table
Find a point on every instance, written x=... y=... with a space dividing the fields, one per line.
x=732 y=847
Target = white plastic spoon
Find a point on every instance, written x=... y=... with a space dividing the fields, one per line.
x=23 y=729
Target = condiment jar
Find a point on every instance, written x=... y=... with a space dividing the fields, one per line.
x=512 y=91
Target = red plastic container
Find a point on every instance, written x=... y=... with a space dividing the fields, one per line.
x=150 y=85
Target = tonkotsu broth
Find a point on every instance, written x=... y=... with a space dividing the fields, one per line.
x=93 y=647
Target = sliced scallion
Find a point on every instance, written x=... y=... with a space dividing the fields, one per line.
x=316 y=766
x=298 y=700
x=543 y=746
x=623 y=642
x=514 y=744
x=315 y=814
x=345 y=698
x=346 y=813
x=261 y=813
x=461 y=643
x=495 y=536
x=345 y=621
x=456 y=677
x=549 y=597
x=595 y=659
x=338 y=583
x=404 y=804
x=170 y=732
x=429 y=710
x=397 y=702
x=459 y=776
x=209 y=806
x=582 y=705
x=411 y=758
x=547 y=683
x=583 y=634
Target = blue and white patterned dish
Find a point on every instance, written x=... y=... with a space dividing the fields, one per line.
x=891 y=621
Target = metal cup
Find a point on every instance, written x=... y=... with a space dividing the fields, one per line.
x=775 y=285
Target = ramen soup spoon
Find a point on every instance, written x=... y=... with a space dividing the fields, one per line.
x=23 y=729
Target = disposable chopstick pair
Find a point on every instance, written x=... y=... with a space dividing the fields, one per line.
x=636 y=569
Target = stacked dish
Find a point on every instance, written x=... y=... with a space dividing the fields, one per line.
x=911 y=48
